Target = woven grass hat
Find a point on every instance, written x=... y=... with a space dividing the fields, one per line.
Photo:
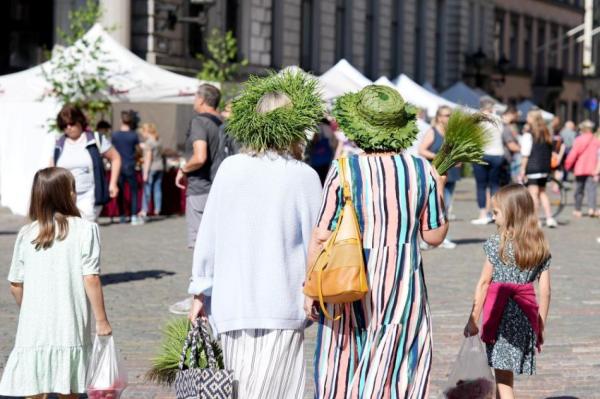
x=377 y=119
x=281 y=127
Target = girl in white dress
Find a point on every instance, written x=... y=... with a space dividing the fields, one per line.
x=55 y=265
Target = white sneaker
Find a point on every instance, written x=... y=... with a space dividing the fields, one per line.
x=136 y=221
x=482 y=221
x=181 y=307
x=551 y=223
x=447 y=244
x=424 y=246
x=598 y=240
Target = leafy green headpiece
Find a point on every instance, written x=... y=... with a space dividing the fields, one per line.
x=278 y=129
x=377 y=119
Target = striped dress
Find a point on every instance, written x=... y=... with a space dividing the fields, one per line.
x=381 y=346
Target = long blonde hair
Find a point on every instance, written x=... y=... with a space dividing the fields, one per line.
x=151 y=129
x=539 y=129
x=520 y=227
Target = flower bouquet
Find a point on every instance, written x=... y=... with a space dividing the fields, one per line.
x=165 y=364
x=466 y=136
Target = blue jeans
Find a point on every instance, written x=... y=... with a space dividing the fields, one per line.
x=153 y=185
x=487 y=176
x=128 y=176
x=449 y=195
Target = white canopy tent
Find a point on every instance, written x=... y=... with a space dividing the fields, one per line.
x=384 y=81
x=525 y=106
x=340 y=79
x=419 y=96
x=462 y=94
x=25 y=142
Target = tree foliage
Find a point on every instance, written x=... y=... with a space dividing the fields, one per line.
x=220 y=65
x=78 y=74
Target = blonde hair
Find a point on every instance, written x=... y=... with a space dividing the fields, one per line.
x=539 y=129
x=271 y=101
x=520 y=227
x=151 y=129
x=439 y=111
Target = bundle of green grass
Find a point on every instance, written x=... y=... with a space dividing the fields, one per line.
x=166 y=364
x=464 y=141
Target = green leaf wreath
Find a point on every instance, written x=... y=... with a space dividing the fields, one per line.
x=377 y=119
x=279 y=129
x=465 y=139
x=166 y=364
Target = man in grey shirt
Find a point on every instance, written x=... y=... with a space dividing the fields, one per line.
x=201 y=145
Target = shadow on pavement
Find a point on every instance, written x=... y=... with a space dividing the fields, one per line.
x=465 y=241
x=562 y=397
x=116 y=278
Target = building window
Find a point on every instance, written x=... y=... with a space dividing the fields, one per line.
x=565 y=52
x=528 y=44
x=440 y=41
x=472 y=21
x=514 y=40
x=553 y=47
x=397 y=36
x=420 y=27
x=276 y=34
x=340 y=29
x=541 y=48
x=369 y=42
x=577 y=61
x=575 y=111
x=306 y=43
x=499 y=35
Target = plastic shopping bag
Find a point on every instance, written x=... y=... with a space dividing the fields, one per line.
x=471 y=377
x=106 y=375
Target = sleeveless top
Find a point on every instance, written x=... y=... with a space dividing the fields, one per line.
x=454 y=174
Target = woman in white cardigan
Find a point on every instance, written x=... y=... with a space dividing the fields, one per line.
x=250 y=256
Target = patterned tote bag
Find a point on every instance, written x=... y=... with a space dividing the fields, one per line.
x=197 y=383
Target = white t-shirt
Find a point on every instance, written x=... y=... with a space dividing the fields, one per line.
x=526 y=143
x=76 y=158
x=495 y=145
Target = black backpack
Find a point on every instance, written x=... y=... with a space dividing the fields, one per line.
x=227 y=147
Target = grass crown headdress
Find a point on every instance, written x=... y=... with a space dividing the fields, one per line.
x=282 y=127
x=377 y=119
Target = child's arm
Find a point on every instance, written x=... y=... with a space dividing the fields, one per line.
x=16 y=289
x=93 y=289
x=480 y=292
x=544 y=297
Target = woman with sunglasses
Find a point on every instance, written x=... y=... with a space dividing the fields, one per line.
x=431 y=144
x=81 y=151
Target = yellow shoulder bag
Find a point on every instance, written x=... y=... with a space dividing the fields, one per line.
x=338 y=275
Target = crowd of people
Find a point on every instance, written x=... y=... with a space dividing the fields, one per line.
x=257 y=214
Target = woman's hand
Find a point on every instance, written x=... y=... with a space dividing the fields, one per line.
x=197 y=309
x=103 y=328
x=113 y=190
x=310 y=309
x=471 y=328
x=180 y=179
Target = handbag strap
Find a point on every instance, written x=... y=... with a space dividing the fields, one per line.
x=205 y=338
x=191 y=337
x=346 y=194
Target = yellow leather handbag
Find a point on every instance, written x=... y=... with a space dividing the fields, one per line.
x=338 y=275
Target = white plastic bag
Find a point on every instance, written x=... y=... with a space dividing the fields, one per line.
x=471 y=377
x=106 y=375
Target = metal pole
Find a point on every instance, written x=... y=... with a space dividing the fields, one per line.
x=588 y=67
x=150 y=54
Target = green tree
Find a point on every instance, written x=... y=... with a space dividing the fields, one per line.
x=221 y=64
x=78 y=74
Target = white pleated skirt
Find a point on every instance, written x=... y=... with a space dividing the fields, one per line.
x=265 y=363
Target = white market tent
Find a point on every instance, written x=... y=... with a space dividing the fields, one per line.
x=340 y=79
x=25 y=142
x=462 y=94
x=384 y=81
x=525 y=106
x=419 y=96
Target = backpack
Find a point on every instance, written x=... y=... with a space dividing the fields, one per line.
x=227 y=147
x=101 y=193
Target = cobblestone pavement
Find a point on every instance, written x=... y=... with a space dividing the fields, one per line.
x=146 y=268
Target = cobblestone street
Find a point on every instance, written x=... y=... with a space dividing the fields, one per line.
x=145 y=269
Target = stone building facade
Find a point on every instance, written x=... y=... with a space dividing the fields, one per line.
x=539 y=55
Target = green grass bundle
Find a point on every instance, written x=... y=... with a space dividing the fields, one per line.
x=466 y=136
x=281 y=128
x=166 y=364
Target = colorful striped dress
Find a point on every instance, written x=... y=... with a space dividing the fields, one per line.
x=381 y=346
